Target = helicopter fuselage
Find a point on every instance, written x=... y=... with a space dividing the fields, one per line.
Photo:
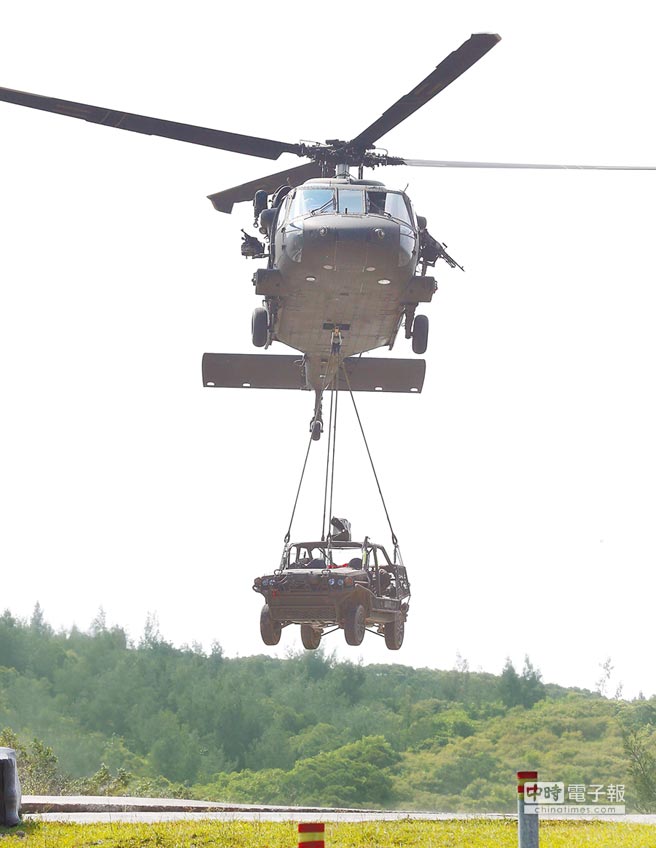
x=341 y=270
x=343 y=253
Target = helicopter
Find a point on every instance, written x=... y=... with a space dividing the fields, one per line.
x=346 y=257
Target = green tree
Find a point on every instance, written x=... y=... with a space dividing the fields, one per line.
x=531 y=685
x=521 y=690
x=510 y=688
x=38 y=623
x=357 y=774
x=38 y=767
x=640 y=747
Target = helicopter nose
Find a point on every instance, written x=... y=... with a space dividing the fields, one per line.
x=352 y=243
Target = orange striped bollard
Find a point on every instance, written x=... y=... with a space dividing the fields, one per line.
x=310 y=835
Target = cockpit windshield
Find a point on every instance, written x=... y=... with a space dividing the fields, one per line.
x=390 y=203
x=311 y=200
x=351 y=200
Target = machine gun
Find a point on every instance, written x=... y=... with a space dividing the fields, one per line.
x=430 y=250
x=251 y=247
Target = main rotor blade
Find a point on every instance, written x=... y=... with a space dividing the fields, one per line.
x=248 y=144
x=223 y=200
x=445 y=73
x=442 y=163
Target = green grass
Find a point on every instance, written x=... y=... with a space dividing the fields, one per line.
x=472 y=833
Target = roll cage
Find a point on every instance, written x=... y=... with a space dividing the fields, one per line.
x=386 y=576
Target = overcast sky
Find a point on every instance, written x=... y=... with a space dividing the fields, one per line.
x=521 y=482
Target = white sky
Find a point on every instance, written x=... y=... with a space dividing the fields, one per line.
x=520 y=483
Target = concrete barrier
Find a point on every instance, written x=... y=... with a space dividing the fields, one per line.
x=10 y=791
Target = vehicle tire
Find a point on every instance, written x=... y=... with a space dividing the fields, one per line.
x=270 y=630
x=420 y=334
x=354 y=625
x=394 y=632
x=310 y=637
x=260 y=326
x=316 y=430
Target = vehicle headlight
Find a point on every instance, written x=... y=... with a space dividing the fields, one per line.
x=340 y=582
x=331 y=581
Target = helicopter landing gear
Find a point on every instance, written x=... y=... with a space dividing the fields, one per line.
x=420 y=334
x=408 y=318
x=260 y=326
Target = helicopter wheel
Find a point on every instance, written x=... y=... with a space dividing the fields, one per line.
x=420 y=334
x=260 y=326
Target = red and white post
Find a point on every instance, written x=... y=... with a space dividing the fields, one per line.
x=527 y=825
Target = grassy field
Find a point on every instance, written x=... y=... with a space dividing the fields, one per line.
x=472 y=833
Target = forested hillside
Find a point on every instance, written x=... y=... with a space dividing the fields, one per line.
x=150 y=718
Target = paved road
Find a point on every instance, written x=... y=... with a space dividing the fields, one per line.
x=102 y=809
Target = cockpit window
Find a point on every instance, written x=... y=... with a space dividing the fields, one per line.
x=376 y=202
x=309 y=200
x=388 y=203
x=350 y=201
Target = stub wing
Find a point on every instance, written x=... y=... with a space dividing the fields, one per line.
x=261 y=371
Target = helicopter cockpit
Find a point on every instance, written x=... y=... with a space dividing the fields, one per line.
x=347 y=200
x=377 y=224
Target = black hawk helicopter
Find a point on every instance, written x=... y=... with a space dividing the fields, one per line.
x=347 y=257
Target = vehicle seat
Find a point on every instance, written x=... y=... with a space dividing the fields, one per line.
x=356 y=563
x=385 y=581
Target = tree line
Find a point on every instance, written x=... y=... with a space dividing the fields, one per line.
x=90 y=711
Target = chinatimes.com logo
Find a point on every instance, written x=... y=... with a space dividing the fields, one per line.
x=554 y=798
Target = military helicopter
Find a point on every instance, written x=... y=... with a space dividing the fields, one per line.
x=347 y=258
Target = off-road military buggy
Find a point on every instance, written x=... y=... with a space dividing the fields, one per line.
x=342 y=584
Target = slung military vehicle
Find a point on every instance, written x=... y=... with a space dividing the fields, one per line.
x=328 y=585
